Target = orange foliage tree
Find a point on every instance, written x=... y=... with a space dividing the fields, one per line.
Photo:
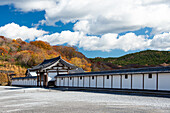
x=41 y=44
x=82 y=63
x=3 y=51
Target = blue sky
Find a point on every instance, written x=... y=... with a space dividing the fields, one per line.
x=97 y=29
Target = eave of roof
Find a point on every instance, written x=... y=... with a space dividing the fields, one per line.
x=122 y=71
x=24 y=77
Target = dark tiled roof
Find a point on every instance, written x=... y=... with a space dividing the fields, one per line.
x=49 y=62
x=4 y=71
x=24 y=77
x=123 y=71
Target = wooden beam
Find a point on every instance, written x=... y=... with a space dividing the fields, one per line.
x=111 y=81
x=120 y=81
x=96 y=81
x=40 y=79
x=157 y=83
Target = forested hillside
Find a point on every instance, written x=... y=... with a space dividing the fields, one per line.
x=134 y=60
x=17 y=55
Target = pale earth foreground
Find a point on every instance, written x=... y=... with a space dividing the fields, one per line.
x=39 y=100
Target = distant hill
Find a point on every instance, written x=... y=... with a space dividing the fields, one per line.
x=135 y=60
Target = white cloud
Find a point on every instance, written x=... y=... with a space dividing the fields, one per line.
x=102 y=16
x=71 y=38
x=15 y=31
x=109 y=41
x=161 y=42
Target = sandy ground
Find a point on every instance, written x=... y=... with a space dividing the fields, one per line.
x=39 y=100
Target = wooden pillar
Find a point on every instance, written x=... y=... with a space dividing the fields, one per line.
x=96 y=81
x=120 y=81
x=40 y=80
x=111 y=81
x=43 y=79
x=46 y=79
x=157 y=81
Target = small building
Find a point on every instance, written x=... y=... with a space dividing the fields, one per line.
x=45 y=72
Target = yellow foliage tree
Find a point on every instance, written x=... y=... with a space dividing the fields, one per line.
x=82 y=63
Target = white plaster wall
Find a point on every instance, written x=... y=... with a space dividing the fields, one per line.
x=150 y=83
x=164 y=81
x=92 y=81
x=70 y=82
x=107 y=82
x=61 y=81
x=75 y=81
x=81 y=82
x=86 y=81
x=99 y=81
x=58 y=81
x=137 y=81
x=126 y=83
x=116 y=81
x=66 y=81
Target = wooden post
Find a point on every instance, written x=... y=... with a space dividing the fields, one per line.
x=44 y=79
x=40 y=80
x=111 y=81
x=157 y=81
x=96 y=81
x=120 y=81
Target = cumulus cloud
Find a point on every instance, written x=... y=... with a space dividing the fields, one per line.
x=15 y=31
x=109 y=41
x=71 y=38
x=102 y=16
x=161 y=42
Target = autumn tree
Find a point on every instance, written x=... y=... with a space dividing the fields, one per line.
x=82 y=63
x=41 y=44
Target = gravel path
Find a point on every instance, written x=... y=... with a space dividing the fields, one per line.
x=39 y=100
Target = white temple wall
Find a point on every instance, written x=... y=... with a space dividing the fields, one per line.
x=150 y=83
x=99 y=81
x=126 y=81
x=81 y=81
x=93 y=81
x=137 y=81
x=86 y=81
x=164 y=81
x=116 y=81
x=107 y=81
